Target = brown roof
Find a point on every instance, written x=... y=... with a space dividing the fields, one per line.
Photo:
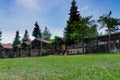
x=27 y=43
x=41 y=40
x=6 y=46
x=19 y=46
x=113 y=36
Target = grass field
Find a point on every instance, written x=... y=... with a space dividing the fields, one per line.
x=78 y=67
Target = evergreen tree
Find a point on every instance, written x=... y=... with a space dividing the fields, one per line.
x=37 y=32
x=17 y=39
x=74 y=13
x=26 y=37
x=46 y=35
x=74 y=17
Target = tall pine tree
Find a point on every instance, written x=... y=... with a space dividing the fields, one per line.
x=17 y=39
x=26 y=37
x=46 y=35
x=37 y=32
x=74 y=17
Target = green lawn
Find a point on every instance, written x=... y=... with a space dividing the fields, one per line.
x=78 y=67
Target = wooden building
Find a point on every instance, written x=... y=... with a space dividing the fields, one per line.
x=103 y=43
x=25 y=49
x=75 y=49
x=40 y=47
x=59 y=46
x=6 y=50
x=17 y=50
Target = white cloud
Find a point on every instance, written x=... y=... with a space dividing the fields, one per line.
x=85 y=8
x=29 y=4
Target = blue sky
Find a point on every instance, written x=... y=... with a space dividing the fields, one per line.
x=22 y=14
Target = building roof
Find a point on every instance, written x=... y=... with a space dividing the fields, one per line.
x=6 y=46
x=18 y=46
x=27 y=43
x=44 y=41
x=113 y=36
x=61 y=38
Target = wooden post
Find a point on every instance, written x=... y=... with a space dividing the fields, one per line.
x=41 y=48
x=27 y=50
x=4 y=55
x=19 y=52
x=109 y=42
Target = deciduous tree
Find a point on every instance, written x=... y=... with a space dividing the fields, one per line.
x=86 y=28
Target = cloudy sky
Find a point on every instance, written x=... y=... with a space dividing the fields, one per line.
x=22 y=14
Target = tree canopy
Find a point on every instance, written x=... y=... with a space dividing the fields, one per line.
x=46 y=35
x=74 y=16
x=37 y=31
x=86 y=28
x=17 y=40
x=26 y=37
x=78 y=28
x=106 y=21
x=56 y=41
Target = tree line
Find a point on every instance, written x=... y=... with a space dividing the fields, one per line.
x=37 y=33
x=78 y=28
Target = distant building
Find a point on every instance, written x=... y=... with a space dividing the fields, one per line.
x=25 y=49
x=101 y=43
x=60 y=48
x=40 y=47
x=16 y=50
x=6 y=50
x=97 y=45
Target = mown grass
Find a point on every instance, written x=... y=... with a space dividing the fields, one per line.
x=75 y=67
